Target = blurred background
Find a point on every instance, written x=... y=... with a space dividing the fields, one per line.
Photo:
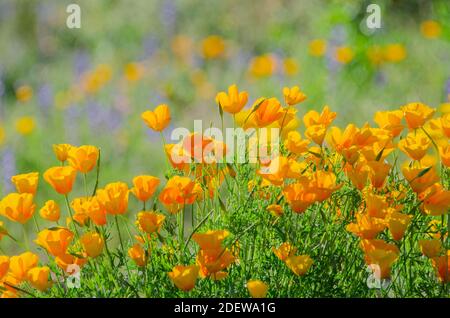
x=90 y=85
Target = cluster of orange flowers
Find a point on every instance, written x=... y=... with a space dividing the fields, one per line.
x=305 y=174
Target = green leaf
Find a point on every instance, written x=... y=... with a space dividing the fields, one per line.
x=380 y=154
x=424 y=171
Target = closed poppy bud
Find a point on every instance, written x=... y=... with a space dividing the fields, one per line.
x=157 y=119
x=416 y=114
x=93 y=244
x=430 y=248
x=83 y=158
x=26 y=183
x=62 y=151
x=4 y=266
x=114 y=198
x=61 y=178
x=299 y=265
x=21 y=264
x=138 y=255
x=70 y=263
x=39 y=278
x=184 y=277
x=234 y=101
x=293 y=95
x=50 y=211
x=144 y=187
x=17 y=207
x=55 y=241
x=257 y=288
x=150 y=222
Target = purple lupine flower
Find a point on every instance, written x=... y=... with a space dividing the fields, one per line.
x=150 y=44
x=81 y=63
x=8 y=166
x=338 y=37
x=447 y=90
x=71 y=120
x=169 y=15
x=45 y=98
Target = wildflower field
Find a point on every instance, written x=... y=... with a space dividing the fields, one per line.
x=224 y=149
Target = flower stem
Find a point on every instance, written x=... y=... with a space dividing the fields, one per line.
x=71 y=216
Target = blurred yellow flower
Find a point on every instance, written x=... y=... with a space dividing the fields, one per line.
x=375 y=54
x=430 y=29
x=261 y=66
x=133 y=72
x=257 y=288
x=291 y=66
x=213 y=47
x=25 y=125
x=317 y=47
x=2 y=135
x=395 y=52
x=24 y=93
x=344 y=54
